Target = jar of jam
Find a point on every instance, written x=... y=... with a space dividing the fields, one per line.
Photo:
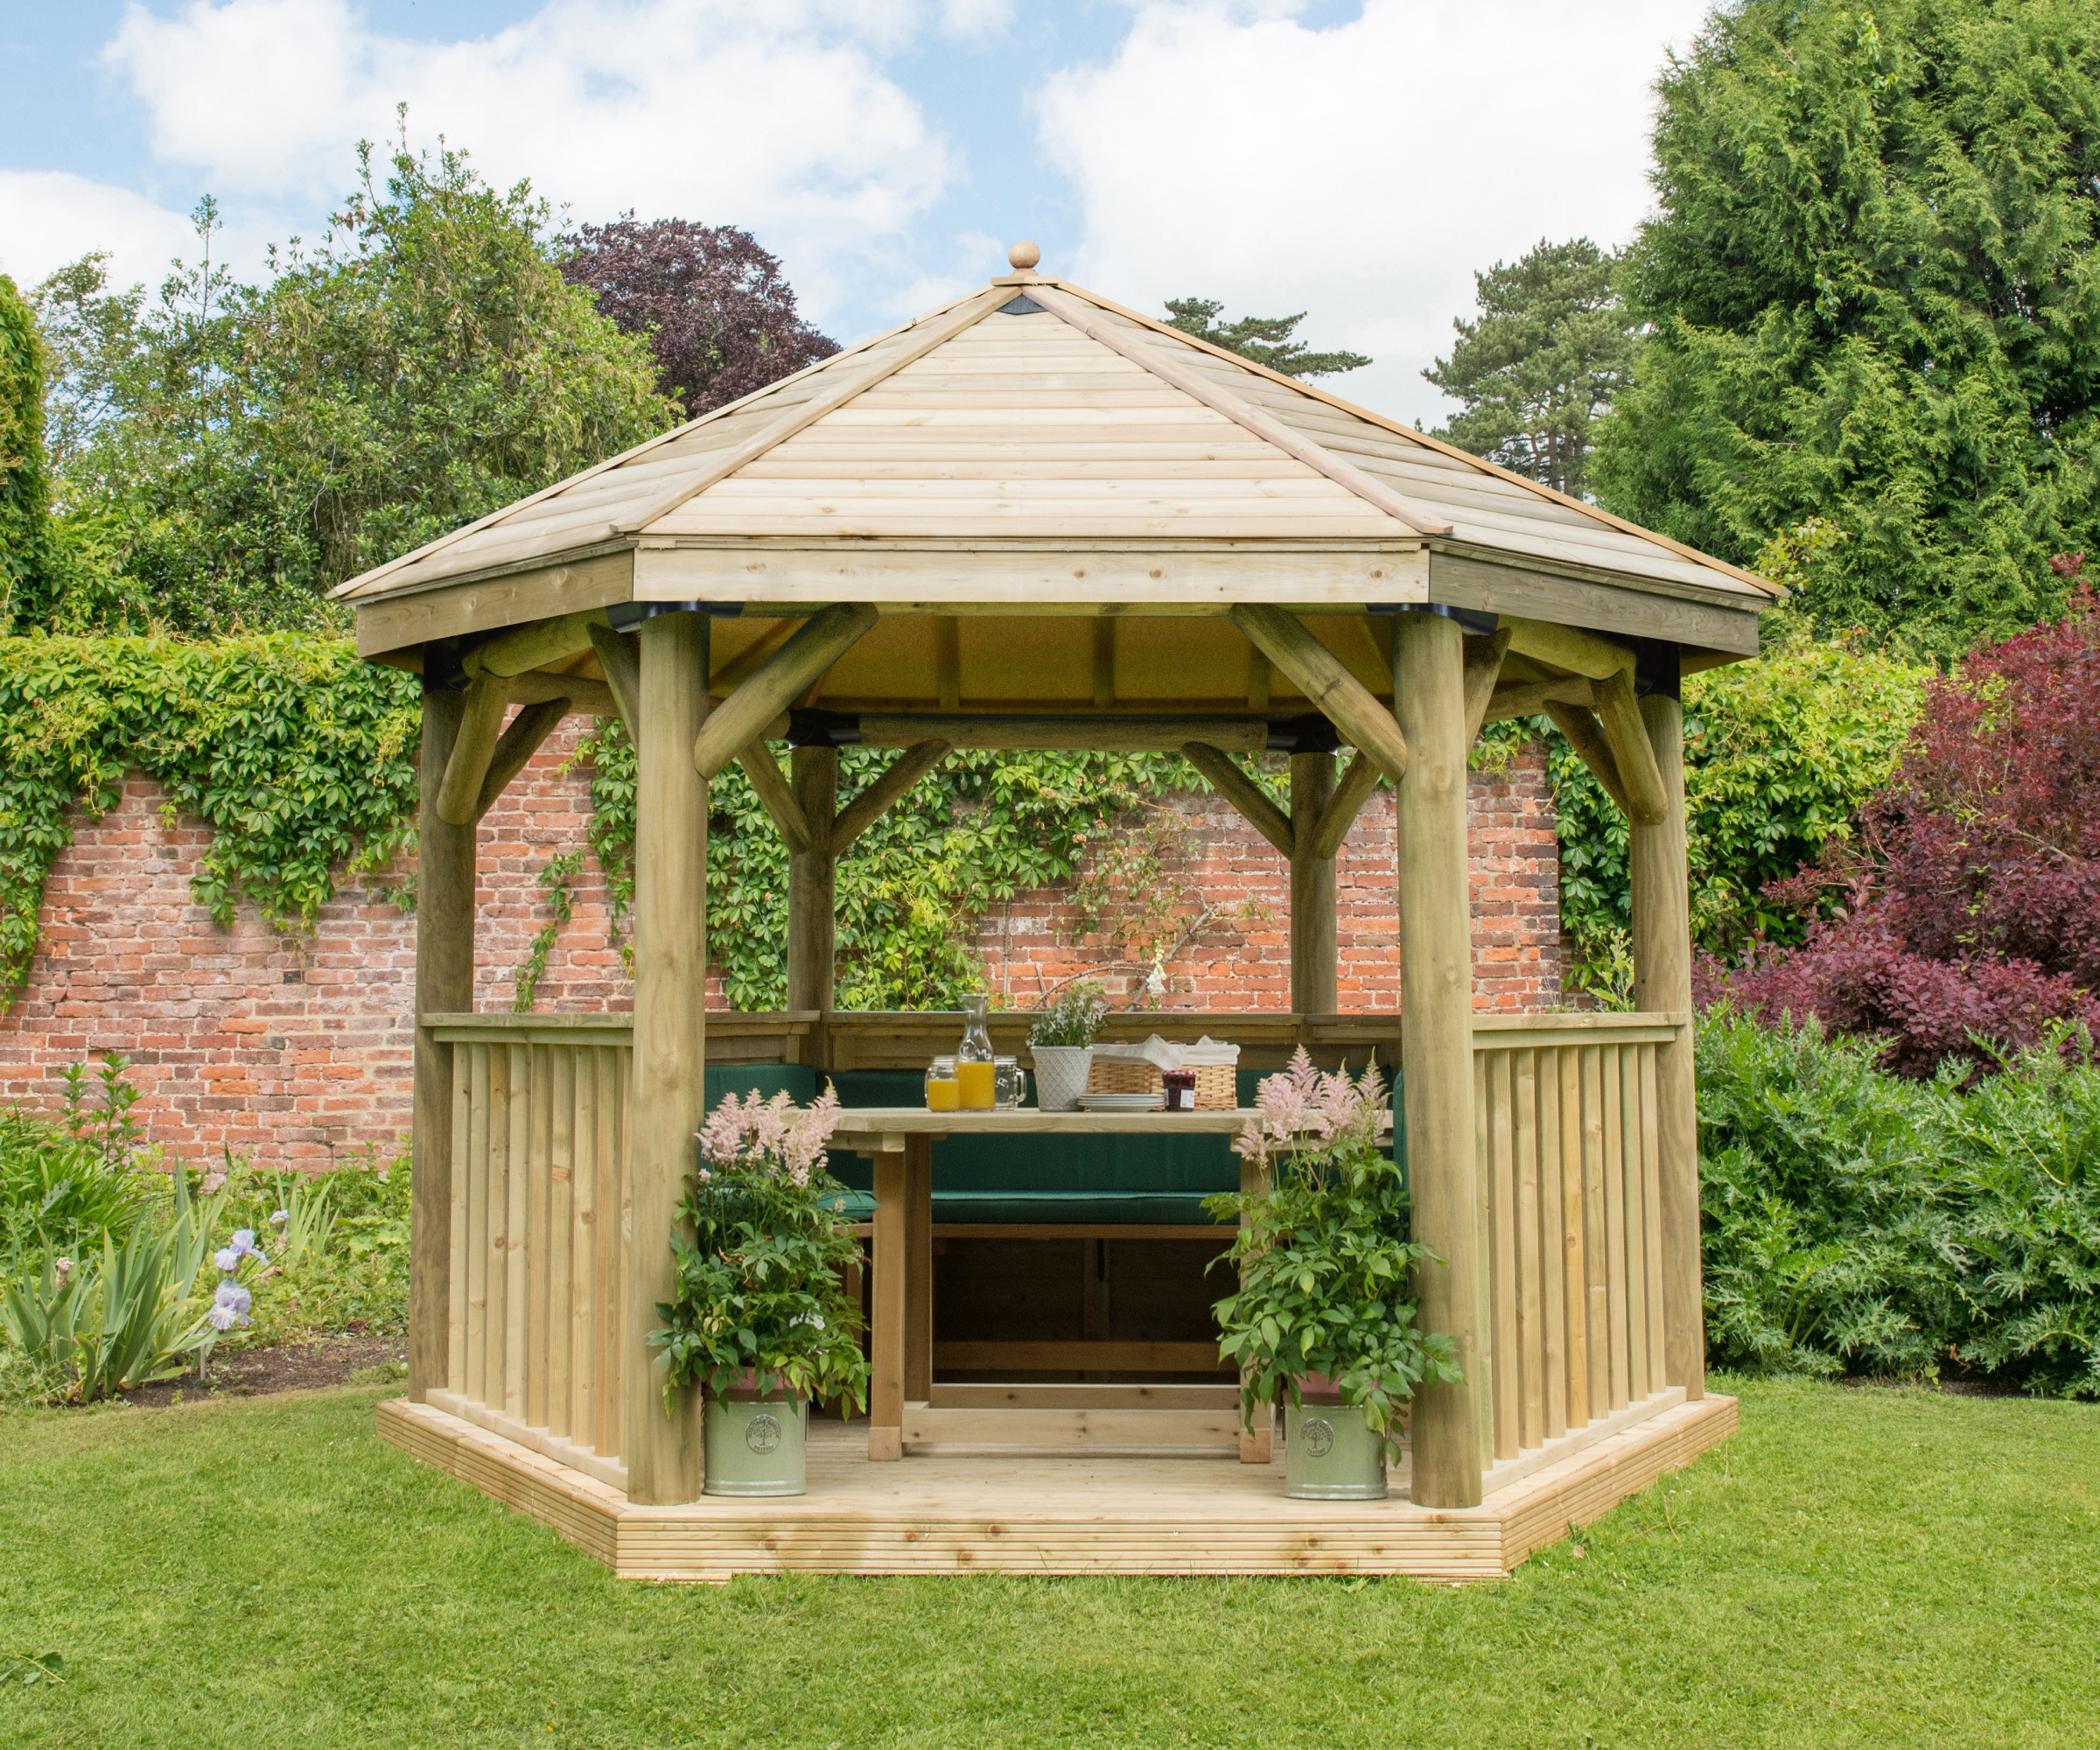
x=1180 y=1086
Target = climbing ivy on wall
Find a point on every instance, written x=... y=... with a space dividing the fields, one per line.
x=299 y=757
x=983 y=828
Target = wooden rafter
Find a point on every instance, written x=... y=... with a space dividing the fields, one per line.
x=620 y=664
x=1587 y=740
x=519 y=742
x=1483 y=667
x=459 y=791
x=1618 y=711
x=1077 y=731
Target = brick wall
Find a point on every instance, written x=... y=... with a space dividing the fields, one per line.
x=296 y=1049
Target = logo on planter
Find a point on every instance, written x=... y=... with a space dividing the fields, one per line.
x=762 y=1433
x=1318 y=1433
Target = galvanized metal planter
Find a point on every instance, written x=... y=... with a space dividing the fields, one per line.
x=1329 y=1454
x=756 y=1446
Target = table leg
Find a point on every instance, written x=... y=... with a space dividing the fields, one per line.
x=1255 y=1444
x=886 y=1338
x=918 y=1270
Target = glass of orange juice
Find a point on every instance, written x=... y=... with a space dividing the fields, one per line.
x=943 y=1091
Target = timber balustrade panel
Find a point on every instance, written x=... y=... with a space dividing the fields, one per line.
x=535 y=1333
x=1566 y=1123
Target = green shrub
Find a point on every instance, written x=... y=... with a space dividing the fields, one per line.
x=66 y=1183
x=1858 y=1221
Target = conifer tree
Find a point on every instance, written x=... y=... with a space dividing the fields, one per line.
x=1533 y=372
x=1266 y=340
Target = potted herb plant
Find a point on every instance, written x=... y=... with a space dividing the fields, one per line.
x=1324 y=1309
x=760 y=1320
x=1061 y=1042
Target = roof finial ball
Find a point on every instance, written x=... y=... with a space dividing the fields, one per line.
x=1024 y=255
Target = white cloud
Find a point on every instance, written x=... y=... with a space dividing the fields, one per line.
x=49 y=218
x=778 y=117
x=1361 y=171
x=976 y=17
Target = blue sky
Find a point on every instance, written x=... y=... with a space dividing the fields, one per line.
x=1355 y=158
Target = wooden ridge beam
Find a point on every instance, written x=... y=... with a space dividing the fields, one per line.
x=1626 y=736
x=874 y=802
x=459 y=791
x=1483 y=669
x=1244 y=793
x=776 y=796
x=1318 y=673
x=1074 y=731
x=518 y=743
x=778 y=681
x=1587 y=740
x=1340 y=815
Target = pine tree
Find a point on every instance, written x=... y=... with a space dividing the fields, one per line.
x=1266 y=340
x=1549 y=348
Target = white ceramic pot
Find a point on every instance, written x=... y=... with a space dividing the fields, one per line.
x=1060 y=1075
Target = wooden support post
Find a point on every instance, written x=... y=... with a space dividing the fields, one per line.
x=1436 y=1005
x=662 y=1451
x=1312 y=949
x=445 y=984
x=813 y=894
x=887 y=1338
x=918 y=1270
x=1663 y=982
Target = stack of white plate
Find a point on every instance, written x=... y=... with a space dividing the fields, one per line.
x=1121 y=1102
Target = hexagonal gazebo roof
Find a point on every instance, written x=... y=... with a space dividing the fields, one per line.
x=1029 y=454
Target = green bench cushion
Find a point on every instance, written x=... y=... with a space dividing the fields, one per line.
x=1158 y=1180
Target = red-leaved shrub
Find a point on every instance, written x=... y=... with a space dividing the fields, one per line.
x=1970 y=917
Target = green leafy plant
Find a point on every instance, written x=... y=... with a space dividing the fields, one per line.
x=63 y=1186
x=126 y=1319
x=1074 y=1020
x=297 y=757
x=1857 y=1220
x=760 y=1296
x=1324 y=1254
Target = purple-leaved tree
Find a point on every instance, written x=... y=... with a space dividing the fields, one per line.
x=717 y=311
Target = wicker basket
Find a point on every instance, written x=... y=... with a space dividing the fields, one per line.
x=1217 y=1084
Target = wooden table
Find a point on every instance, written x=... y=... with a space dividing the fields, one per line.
x=900 y=1139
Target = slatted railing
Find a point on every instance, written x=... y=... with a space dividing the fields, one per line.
x=1565 y=1117
x=536 y=1349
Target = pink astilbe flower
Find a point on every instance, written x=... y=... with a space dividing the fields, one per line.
x=1308 y=1108
x=772 y=1136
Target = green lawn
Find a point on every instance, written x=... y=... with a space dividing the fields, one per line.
x=1877 y=1566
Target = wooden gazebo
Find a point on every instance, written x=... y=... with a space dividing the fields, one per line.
x=1031 y=518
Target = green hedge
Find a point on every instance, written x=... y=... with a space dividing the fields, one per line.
x=1856 y=1222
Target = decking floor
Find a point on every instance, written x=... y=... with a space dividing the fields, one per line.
x=1054 y=1514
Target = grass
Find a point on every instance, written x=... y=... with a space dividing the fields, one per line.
x=1877 y=1566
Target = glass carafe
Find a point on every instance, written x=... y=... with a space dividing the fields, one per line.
x=975 y=1072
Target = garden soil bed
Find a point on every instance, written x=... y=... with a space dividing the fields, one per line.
x=297 y=1367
